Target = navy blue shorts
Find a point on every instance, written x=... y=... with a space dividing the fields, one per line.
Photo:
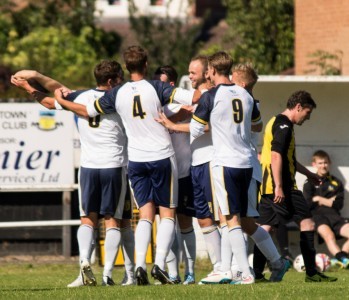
x=231 y=188
x=185 y=197
x=102 y=191
x=154 y=181
x=127 y=213
x=202 y=190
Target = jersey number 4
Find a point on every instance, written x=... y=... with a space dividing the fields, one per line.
x=137 y=107
x=237 y=111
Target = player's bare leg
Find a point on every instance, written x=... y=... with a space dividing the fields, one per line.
x=344 y=232
x=341 y=256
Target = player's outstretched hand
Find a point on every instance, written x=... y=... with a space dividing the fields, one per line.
x=185 y=113
x=164 y=121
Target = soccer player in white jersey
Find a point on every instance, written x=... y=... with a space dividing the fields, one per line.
x=185 y=210
x=102 y=173
x=245 y=76
x=202 y=154
x=152 y=167
x=229 y=109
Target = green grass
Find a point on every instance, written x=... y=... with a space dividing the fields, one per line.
x=48 y=281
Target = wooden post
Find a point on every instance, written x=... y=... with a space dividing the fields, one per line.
x=66 y=230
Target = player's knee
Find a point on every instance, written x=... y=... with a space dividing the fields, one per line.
x=248 y=225
x=205 y=222
x=307 y=225
x=125 y=223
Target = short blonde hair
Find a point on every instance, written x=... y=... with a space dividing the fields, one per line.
x=247 y=74
x=221 y=62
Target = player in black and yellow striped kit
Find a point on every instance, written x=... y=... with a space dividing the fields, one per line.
x=281 y=200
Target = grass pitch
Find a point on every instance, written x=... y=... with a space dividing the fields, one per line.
x=48 y=281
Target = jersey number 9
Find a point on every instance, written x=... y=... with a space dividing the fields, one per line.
x=237 y=111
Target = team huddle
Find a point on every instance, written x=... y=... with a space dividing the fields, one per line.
x=184 y=154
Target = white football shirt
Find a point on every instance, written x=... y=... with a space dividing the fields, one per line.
x=138 y=104
x=201 y=148
x=229 y=109
x=180 y=142
x=103 y=138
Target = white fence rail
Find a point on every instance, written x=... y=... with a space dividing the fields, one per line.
x=49 y=223
x=38 y=188
x=66 y=212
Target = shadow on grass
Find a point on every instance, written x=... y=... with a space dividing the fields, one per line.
x=31 y=289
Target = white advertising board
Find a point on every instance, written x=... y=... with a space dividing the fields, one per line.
x=36 y=146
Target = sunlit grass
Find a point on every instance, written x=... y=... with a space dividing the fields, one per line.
x=48 y=281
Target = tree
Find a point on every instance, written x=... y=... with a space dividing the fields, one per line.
x=262 y=32
x=75 y=14
x=56 y=37
x=55 y=52
x=326 y=63
x=168 y=41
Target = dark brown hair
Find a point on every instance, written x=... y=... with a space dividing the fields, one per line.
x=108 y=69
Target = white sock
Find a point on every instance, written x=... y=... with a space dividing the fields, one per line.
x=128 y=250
x=172 y=259
x=239 y=250
x=111 y=247
x=93 y=246
x=164 y=240
x=189 y=241
x=142 y=240
x=213 y=244
x=265 y=243
x=234 y=264
x=226 y=251
x=85 y=238
x=246 y=240
x=235 y=267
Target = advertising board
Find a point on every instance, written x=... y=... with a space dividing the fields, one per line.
x=36 y=145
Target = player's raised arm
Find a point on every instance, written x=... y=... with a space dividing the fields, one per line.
x=39 y=96
x=169 y=94
x=76 y=108
x=33 y=77
x=185 y=97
